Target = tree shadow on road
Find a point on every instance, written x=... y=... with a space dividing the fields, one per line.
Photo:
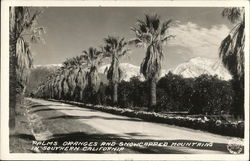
x=46 y=105
x=50 y=109
x=94 y=117
x=27 y=137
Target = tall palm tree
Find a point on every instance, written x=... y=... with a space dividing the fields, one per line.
x=56 y=85
x=67 y=84
x=74 y=64
x=115 y=49
x=232 y=47
x=59 y=83
x=93 y=58
x=151 y=34
x=81 y=82
x=22 y=25
x=78 y=77
x=232 y=54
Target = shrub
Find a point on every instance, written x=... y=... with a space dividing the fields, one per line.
x=211 y=95
x=177 y=90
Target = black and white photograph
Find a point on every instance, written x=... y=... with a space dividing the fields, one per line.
x=125 y=80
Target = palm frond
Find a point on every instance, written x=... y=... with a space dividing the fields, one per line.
x=232 y=51
x=116 y=47
x=233 y=14
x=152 y=34
x=165 y=26
x=137 y=42
x=165 y=39
x=151 y=65
x=24 y=61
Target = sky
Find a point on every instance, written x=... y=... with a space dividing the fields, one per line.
x=70 y=30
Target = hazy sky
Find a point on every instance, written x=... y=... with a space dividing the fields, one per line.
x=69 y=30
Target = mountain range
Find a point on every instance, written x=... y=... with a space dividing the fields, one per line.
x=199 y=65
x=190 y=69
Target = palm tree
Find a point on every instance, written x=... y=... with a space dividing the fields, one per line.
x=232 y=54
x=115 y=49
x=66 y=78
x=56 y=85
x=65 y=85
x=151 y=34
x=78 y=76
x=59 y=83
x=22 y=25
x=81 y=82
x=79 y=64
x=93 y=58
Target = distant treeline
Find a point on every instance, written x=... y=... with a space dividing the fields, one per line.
x=205 y=94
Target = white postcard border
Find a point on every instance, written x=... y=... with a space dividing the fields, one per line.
x=5 y=82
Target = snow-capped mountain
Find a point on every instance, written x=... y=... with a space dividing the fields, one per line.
x=48 y=66
x=197 y=66
x=128 y=71
x=193 y=68
x=190 y=69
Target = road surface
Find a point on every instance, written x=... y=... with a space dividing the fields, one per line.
x=96 y=123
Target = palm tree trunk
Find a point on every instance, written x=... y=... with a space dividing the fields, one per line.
x=238 y=102
x=12 y=84
x=152 y=101
x=12 y=68
x=114 y=99
x=81 y=96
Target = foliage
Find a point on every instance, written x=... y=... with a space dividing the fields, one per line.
x=178 y=91
x=211 y=95
x=133 y=93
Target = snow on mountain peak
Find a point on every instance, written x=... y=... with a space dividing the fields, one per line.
x=190 y=69
x=199 y=65
x=48 y=65
x=129 y=71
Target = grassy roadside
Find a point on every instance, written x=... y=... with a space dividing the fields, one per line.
x=20 y=139
x=34 y=124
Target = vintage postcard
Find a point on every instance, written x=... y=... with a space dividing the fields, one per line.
x=124 y=80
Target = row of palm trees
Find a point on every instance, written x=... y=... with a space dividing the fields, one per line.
x=82 y=71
